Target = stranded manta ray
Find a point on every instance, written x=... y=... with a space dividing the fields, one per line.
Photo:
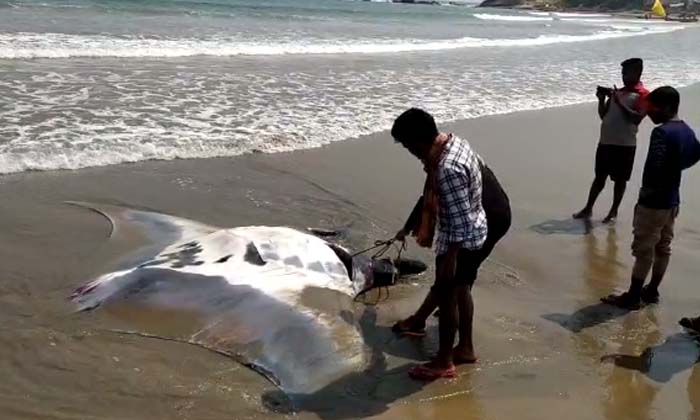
x=277 y=299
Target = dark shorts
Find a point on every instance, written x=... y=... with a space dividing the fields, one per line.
x=498 y=218
x=614 y=161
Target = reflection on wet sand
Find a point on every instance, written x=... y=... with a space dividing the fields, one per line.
x=601 y=266
x=662 y=362
x=694 y=393
x=600 y=272
x=629 y=394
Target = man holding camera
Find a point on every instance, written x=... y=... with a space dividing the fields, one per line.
x=621 y=112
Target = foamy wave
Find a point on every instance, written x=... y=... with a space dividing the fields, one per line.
x=570 y=14
x=76 y=159
x=599 y=19
x=57 y=123
x=513 y=18
x=29 y=45
x=100 y=151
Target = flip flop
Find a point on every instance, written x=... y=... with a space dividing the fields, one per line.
x=408 y=331
x=623 y=301
x=427 y=373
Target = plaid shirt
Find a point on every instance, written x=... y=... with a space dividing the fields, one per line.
x=462 y=217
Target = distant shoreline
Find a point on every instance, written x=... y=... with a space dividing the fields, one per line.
x=630 y=13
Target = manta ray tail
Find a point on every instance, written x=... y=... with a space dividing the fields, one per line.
x=160 y=228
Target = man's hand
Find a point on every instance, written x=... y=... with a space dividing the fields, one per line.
x=615 y=95
x=603 y=92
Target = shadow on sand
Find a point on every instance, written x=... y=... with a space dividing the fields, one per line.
x=661 y=363
x=587 y=317
x=565 y=227
x=366 y=393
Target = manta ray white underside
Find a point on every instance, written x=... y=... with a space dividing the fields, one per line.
x=278 y=299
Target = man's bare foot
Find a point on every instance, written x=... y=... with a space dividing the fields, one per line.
x=463 y=357
x=432 y=371
x=583 y=214
x=610 y=219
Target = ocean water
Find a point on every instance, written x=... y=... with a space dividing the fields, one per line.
x=100 y=82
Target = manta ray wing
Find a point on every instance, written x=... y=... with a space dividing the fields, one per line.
x=160 y=230
x=278 y=299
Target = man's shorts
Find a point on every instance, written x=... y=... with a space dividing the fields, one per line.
x=468 y=264
x=614 y=161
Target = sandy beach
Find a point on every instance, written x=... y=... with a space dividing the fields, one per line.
x=540 y=332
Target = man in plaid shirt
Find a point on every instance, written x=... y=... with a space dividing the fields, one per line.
x=462 y=217
x=473 y=212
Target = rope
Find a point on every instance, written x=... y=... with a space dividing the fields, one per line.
x=379 y=295
x=382 y=247
x=377 y=244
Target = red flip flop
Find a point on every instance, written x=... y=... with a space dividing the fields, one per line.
x=427 y=373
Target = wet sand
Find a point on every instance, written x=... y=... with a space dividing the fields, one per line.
x=539 y=330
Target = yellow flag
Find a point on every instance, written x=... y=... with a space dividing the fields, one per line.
x=658 y=9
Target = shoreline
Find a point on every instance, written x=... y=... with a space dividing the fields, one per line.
x=382 y=132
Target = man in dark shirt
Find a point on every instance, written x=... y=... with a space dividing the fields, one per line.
x=673 y=148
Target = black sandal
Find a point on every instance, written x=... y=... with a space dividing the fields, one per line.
x=650 y=296
x=623 y=301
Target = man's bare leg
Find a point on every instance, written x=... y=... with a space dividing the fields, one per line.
x=417 y=321
x=596 y=189
x=618 y=194
x=447 y=302
x=464 y=352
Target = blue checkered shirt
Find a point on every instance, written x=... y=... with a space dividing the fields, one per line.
x=462 y=217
